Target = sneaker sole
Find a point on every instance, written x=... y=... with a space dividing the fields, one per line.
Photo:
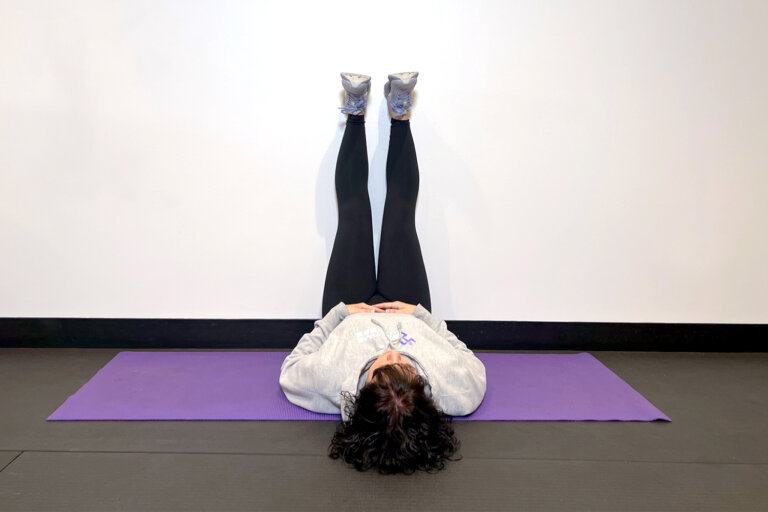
x=356 y=84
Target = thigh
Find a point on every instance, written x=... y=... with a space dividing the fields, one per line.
x=402 y=274
x=351 y=274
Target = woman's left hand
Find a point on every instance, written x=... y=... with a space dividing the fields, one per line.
x=396 y=307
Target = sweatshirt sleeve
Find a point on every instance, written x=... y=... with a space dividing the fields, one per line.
x=297 y=376
x=440 y=327
x=471 y=371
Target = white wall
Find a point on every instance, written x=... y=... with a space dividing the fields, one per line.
x=580 y=161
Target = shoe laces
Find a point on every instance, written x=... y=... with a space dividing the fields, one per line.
x=401 y=101
x=353 y=103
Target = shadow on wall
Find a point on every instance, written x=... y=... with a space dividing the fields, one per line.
x=442 y=175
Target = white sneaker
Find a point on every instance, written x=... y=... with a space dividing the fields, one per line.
x=398 y=91
x=356 y=87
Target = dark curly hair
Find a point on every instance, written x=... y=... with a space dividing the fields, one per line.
x=395 y=426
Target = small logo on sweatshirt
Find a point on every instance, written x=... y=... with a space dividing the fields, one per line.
x=405 y=340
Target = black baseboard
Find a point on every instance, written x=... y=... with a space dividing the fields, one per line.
x=283 y=334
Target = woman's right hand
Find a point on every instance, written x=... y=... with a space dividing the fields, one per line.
x=362 y=307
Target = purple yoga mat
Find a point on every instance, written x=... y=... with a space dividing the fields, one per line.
x=225 y=385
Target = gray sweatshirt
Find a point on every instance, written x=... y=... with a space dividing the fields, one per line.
x=337 y=354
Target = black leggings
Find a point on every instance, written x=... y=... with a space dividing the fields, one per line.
x=351 y=276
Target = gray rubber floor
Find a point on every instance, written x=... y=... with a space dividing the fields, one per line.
x=712 y=456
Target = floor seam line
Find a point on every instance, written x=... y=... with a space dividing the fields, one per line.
x=13 y=459
x=465 y=457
